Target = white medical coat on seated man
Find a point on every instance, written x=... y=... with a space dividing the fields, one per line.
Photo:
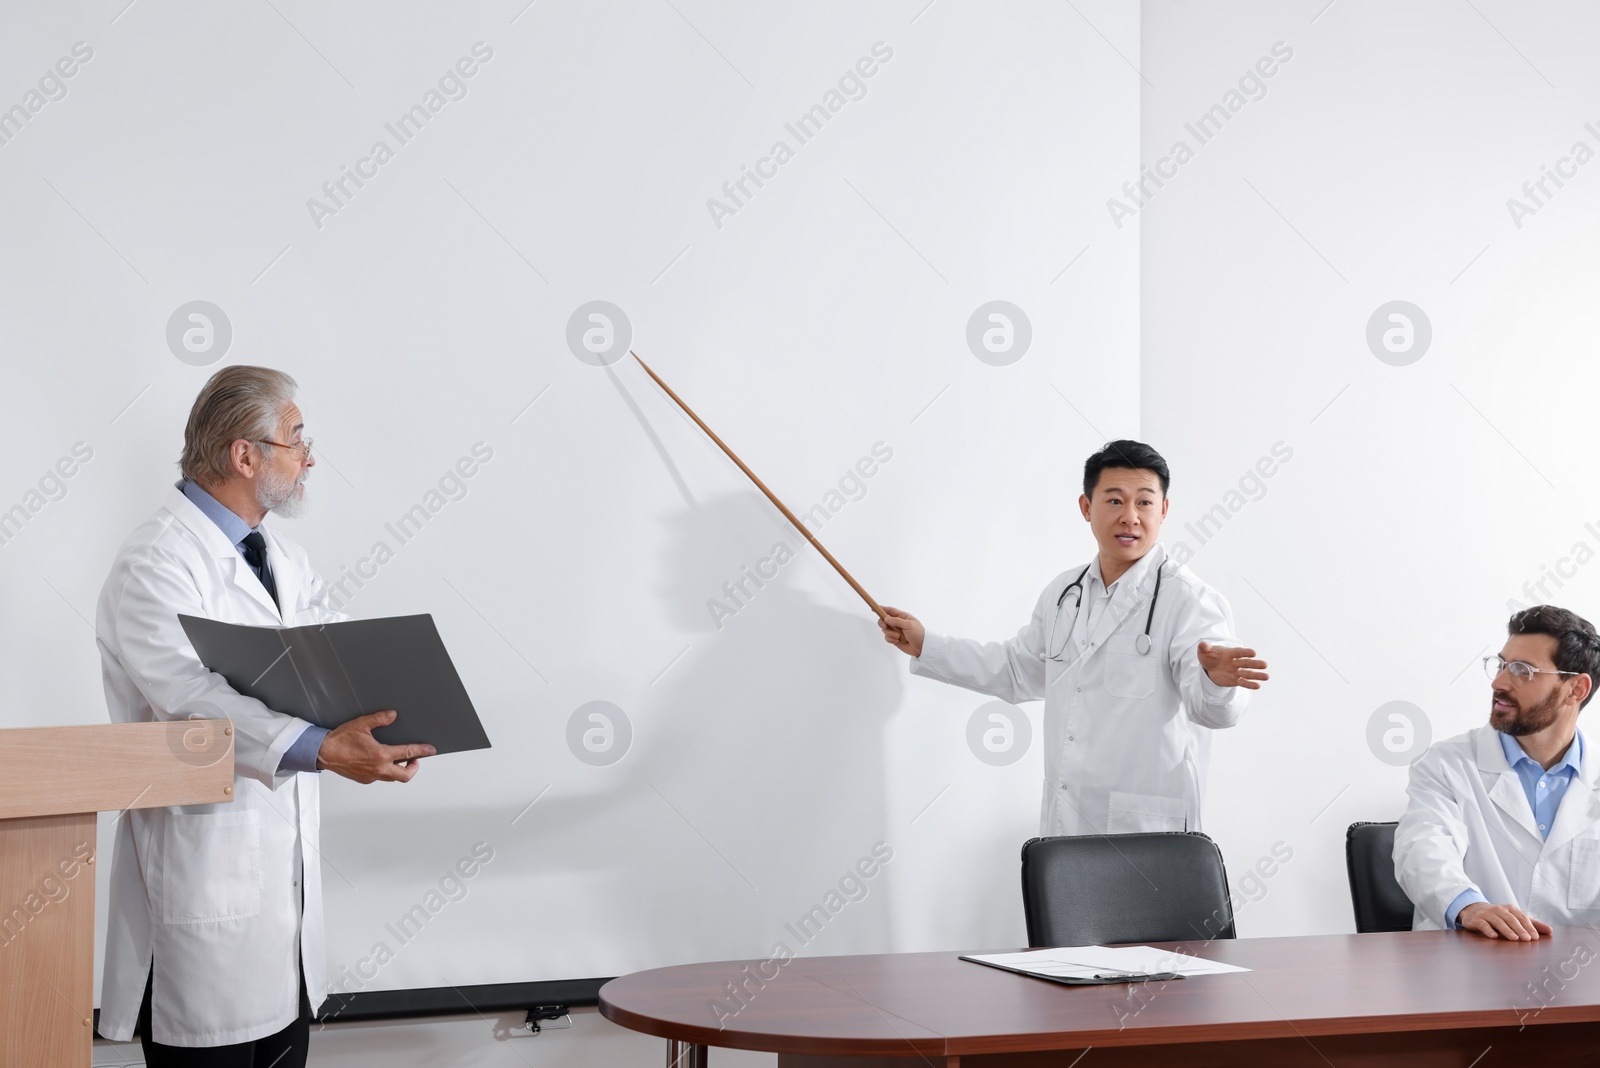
x=1121 y=752
x=213 y=893
x=1469 y=826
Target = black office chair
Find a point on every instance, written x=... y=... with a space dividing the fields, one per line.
x=1095 y=889
x=1375 y=894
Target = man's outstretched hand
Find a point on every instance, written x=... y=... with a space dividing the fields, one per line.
x=1229 y=665
x=903 y=631
x=351 y=750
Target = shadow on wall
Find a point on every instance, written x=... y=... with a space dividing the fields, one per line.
x=756 y=768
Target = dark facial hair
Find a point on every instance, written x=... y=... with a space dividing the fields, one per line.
x=1532 y=720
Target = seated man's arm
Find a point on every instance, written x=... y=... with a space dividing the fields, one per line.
x=1469 y=896
x=1502 y=921
x=1430 y=846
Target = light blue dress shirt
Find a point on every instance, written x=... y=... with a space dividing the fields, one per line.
x=302 y=755
x=1545 y=789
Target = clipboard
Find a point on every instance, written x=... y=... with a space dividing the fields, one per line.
x=1093 y=976
x=1089 y=965
x=330 y=673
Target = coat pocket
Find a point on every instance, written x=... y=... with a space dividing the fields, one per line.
x=1583 y=889
x=211 y=867
x=1130 y=675
x=1133 y=813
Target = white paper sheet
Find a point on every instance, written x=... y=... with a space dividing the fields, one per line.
x=1083 y=962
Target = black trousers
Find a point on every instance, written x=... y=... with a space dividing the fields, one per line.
x=286 y=1049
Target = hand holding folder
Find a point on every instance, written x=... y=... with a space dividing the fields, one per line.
x=388 y=678
x=350 y=750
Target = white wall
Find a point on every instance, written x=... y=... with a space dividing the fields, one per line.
x=430 y=314
x=1379 y=563
x=1374 y=565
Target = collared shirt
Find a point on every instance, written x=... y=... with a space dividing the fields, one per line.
x=302 y=755
x=1544 y=790
x=226 y=519
x=1096 y=595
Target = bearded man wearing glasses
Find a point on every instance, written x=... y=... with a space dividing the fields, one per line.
x=1501 y=834
x=214 y=931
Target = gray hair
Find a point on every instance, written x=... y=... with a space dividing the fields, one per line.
x=237 y=402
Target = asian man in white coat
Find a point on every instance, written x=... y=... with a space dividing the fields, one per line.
x=1501 y=833
x=1134 y=658
x=214 y=941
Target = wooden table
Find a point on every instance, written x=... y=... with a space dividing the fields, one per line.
x=1420 y=999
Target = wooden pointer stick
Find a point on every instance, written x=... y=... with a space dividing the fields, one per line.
x=790 y=516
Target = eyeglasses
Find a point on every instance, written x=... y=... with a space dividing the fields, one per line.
x=1518 y=669
x=301 y=447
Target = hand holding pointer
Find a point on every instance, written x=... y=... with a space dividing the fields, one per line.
x=902 y=630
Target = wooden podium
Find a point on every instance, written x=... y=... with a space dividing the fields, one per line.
x=53 y=780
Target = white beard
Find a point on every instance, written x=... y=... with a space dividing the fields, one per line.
x=282 y=496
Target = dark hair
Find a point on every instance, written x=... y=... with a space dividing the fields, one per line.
x=1134 y=455
x=1577 y=644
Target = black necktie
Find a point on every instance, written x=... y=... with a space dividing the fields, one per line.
x=255 y=554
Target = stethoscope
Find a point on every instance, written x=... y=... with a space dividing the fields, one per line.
x=1141 y=644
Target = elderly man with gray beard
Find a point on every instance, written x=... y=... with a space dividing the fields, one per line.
x=214 y=944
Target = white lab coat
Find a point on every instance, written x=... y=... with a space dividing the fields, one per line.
x=1120 y=750
x=1468 y=823
x=212 y=891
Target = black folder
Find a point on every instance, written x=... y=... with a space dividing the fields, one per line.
x=330 y=673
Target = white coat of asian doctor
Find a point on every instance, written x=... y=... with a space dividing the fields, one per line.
x=1130 y=652
x=1501 y=833
x=212 y=893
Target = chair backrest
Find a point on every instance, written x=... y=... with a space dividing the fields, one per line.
x=1087 y=890
x=1375 y=894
